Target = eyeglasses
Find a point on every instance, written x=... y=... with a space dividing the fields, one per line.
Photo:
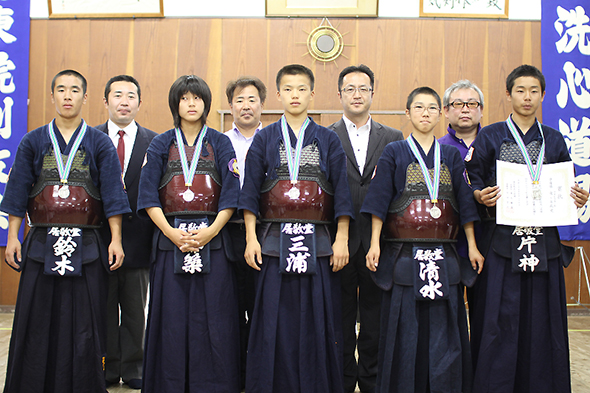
x=460 y=104
x=364 y=90
x=431 y=109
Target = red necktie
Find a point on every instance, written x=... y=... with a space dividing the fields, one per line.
x=121 y=150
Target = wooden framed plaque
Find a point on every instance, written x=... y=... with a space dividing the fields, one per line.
x=106 y=8
x=493 y=9
x=322 y=8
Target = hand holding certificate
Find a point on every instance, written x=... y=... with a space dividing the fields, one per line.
x=546 y=203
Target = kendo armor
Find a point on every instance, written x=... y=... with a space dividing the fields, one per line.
x=82 y=208
x=206 y=184
x=510 y=152
x=409 y=218
x=315 y=203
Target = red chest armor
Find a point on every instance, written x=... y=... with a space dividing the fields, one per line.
x=205 y=188
x=81 y=207
x=312 y=205
x=314 y=201
x=409 y=216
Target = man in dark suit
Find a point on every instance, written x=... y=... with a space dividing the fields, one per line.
x=128 y=285
x=363 y=140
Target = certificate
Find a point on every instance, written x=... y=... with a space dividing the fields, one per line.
x=517 y=206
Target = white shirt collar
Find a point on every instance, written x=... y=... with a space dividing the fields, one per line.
x=130 y=130
x=351 y=126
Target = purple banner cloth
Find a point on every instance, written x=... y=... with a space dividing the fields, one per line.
x=565 y=46
x=14 y=88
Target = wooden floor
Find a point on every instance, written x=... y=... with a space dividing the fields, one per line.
x=579 y=333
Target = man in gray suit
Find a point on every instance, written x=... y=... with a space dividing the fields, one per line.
x=363 y=140
x=128 y=285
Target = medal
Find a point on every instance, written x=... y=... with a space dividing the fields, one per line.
x=64 y=169
x=64 y=192
x=536 y=191
x=534 y=171
x=294 y=193
x=189 y=171
x=188 y=195
x=433 y=185
x=293 y=158
x=435 y=212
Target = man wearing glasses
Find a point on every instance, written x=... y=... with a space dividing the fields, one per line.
x=363 y=140
x=463 y=104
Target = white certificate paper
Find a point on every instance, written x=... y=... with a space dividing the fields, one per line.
x=517 y=207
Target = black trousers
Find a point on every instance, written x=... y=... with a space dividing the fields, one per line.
x=360 y=296
x=126 y=323
x=246 y=290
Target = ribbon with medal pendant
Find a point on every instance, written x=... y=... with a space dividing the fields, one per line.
x=431 y=185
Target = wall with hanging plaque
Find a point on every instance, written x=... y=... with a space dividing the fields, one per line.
x=464 y=8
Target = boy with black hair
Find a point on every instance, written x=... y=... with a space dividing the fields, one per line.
x=419 y=198
x=66 y=177
x=519 y=320
x=296 y=183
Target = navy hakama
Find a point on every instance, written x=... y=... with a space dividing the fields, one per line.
x=519 y=329
x=518 y=319
x=58 y=340
x=192 y=336
x=59 y=330
x=295 y=342
x=424 y=344
x=192 y=331
x=295 y=337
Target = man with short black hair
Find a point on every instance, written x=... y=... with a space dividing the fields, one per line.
x=363 y=140
x=128 y=285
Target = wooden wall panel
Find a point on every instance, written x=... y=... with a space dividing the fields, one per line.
x=109 y=45
x=385 y=58
x=403 y=53
x=38 y=84
x=286 y=45
x=505 y=53
x=156 y=68
x=464 y=55
x=245 y=57
x=68 y=47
